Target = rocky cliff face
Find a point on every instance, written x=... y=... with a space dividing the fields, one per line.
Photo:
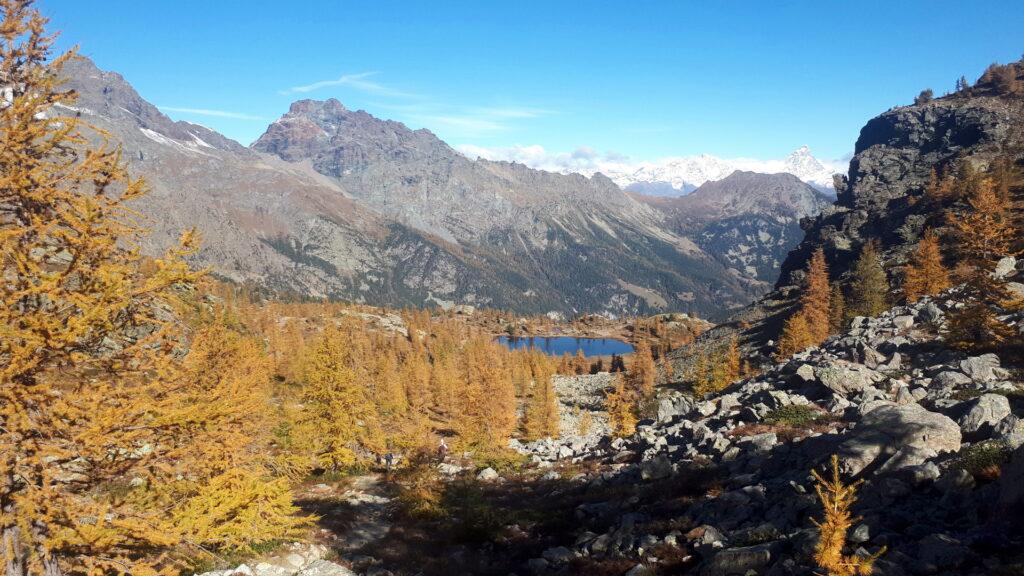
x=894 y=156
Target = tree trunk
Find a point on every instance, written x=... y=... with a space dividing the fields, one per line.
x=13 y=552
x=51 y=567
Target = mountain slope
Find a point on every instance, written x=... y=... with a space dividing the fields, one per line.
x=748 y=221
x=338 y=204
x=581 y=238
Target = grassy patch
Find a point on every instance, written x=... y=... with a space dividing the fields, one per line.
x=984 y=460
x=797 y=416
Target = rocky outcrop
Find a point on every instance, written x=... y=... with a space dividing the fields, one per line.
x=894 y=157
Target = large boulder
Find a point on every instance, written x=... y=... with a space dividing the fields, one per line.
x=981 y=368
x=739 y=561
x=983 y=413
x=889 y=428
x=845 y=378
x=673 y=405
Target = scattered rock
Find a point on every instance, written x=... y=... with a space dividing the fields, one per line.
x=488 y=475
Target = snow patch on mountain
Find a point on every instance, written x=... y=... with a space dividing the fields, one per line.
x=673 y=176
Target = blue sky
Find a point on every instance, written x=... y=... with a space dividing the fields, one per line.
x=643 y=79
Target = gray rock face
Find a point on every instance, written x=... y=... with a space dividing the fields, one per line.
x=981 y=368
x=733 y=561
x=487 y=475
x=747 y=221
x=846 y=378
x=984 y=412
x=1005 y=267
x=889 y=428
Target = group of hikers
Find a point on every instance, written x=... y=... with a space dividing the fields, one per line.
x=391 y=459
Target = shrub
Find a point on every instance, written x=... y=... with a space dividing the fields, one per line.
x=796 y=415
x=420 y=493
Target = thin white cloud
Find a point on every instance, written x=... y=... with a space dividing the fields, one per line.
x=462 y=121
x=511 y=112
x=360 y=82
x=208 y=112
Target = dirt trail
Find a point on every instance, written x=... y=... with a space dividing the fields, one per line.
x=353 y=513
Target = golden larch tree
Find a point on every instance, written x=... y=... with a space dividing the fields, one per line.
x=796 y=336
x=338 y=413
x=88 y=345
x=814 y=302
x=925 y=275
x=837 y=498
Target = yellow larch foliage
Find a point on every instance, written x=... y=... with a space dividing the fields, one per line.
x=92 y=395
x=540 y=413
x=837 y=498
x=815 y=300
x=985 y=232
x=726 y=369
x=796 y=336
x=579 y=363
x=642 y=372
x=621 y=406
x=925 y=275
x=486 y=415
x=811 y=323
x=338 y=415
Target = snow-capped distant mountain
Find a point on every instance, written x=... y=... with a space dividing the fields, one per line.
x=675 y=176
x=679 y=176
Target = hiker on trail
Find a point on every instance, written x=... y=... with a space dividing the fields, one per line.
x=442 y=450
x=389 y=461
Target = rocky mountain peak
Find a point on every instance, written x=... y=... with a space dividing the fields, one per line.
x=331 y=106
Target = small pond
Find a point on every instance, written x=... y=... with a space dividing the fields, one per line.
x=559 y=345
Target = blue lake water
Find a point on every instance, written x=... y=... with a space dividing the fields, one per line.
x=558 y=345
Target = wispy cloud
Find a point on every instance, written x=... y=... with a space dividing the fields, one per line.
x=511 y=112
x=463 y=121
x=360 y=82
x=422 y=110
x=207 y=112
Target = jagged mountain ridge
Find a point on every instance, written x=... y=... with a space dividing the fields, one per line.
x=749 y=221
x=338 y=204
